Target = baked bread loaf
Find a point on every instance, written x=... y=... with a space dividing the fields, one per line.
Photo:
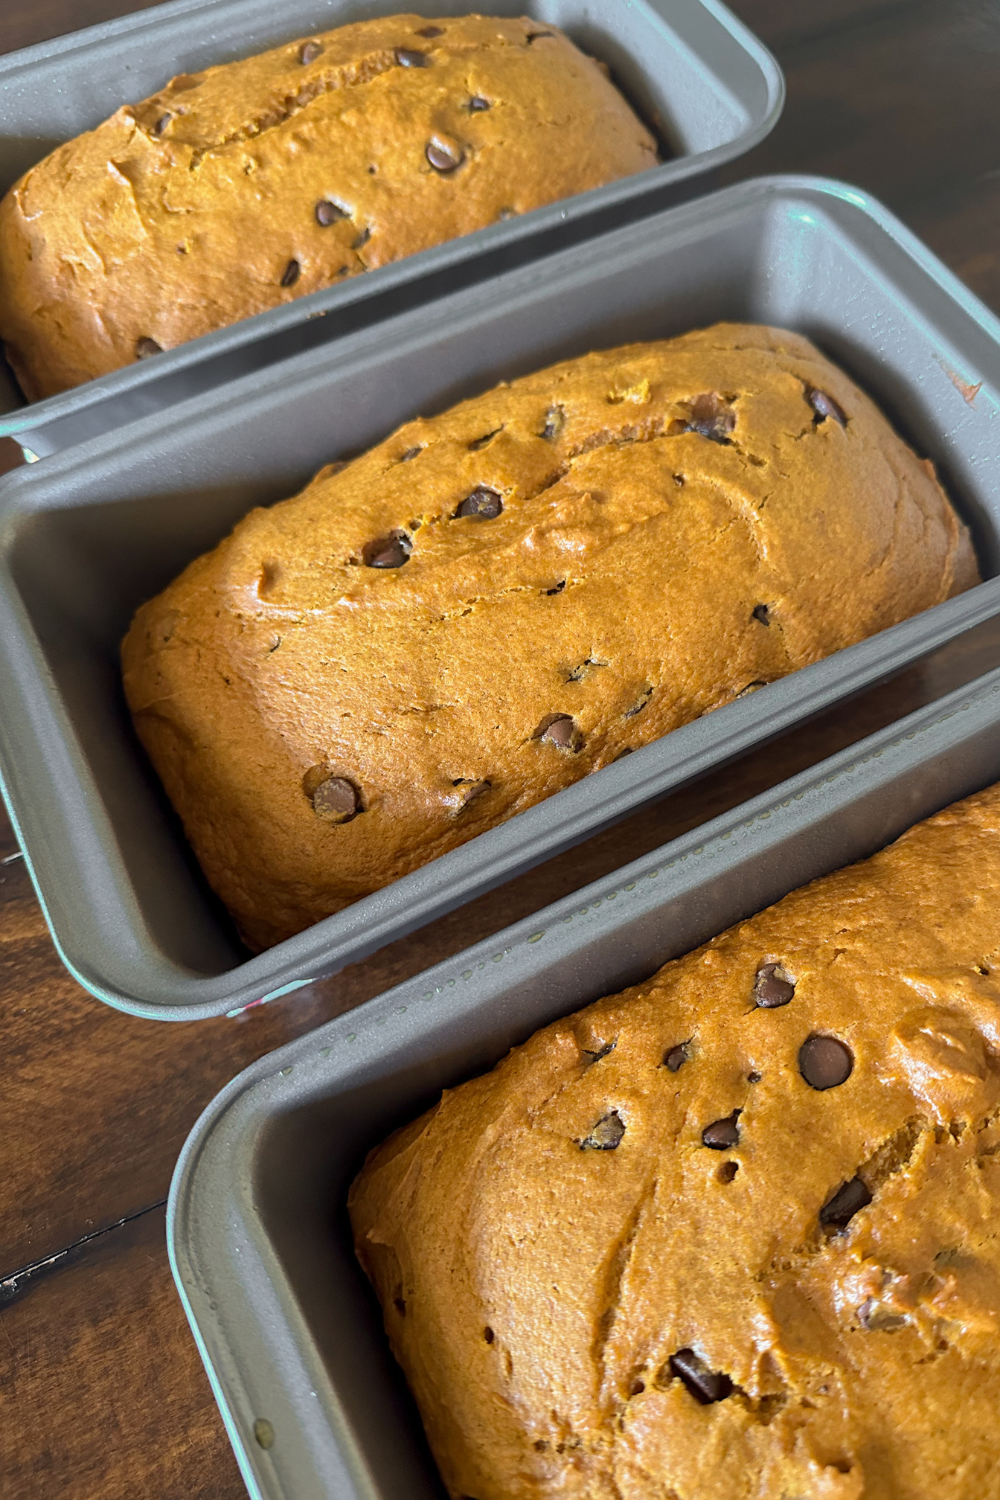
x=240 y=188
x=731 y=1234
x=496 y=601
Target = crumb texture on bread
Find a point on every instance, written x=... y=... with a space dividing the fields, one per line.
x=496 y=601
x=731 y=1234
x=239 y=188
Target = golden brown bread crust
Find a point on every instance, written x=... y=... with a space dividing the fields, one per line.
x=536 y=1291
x=240 y=188
x=617 y=589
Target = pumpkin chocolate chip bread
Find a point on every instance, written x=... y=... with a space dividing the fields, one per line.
x=731 y=1234
x=496 y=601
x=237 y=189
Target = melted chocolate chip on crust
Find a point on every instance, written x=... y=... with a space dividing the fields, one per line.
x=722 y=1135
x=704 y=1383
x=409 y=59
x=606 y=1134
x=431 y=31
x=336 y=800
x=824 y=406
x=760 y=612
x=558 y=730
x=825 y=1062
x=475 y=789
x=146 y=348
x=290 y=274
x=328 y=213
x=478 y=103
x=443 y=156
x=712 y=417
x=162 y=124
x=838 y=1211
x=309 y=51
x=390 y=551
x=772 y=987
x=482 y=505
x=677 y=1056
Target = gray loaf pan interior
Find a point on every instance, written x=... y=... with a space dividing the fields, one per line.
x=690 y=69
x=259 y=1241
x=88 y=534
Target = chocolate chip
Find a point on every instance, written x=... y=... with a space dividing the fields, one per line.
x=483 y=504
x=410 y=453
x=606 y=1134
x=772 y=987
x=759 y=612
x=558 y=588
x=712 y=417
x=722 y=1135
x=400 y=1306
x=309 y=51
x=162 y=124
x=555 y=421
x=754 y=1077
x=478 y=103
x=328 y=213
x=390 y=551
x=825 y=1062
x=431 y=31
x=839 y=1210
x=336 y=800
x=727 y=1172
x=677 y=1056
x=704 y=1383
x=362 y=239
x=146 y=348
x=558 y=730
x=408 y=59
x=824 y=406
x=443 y=156
x=536 y=36
x=290 y=274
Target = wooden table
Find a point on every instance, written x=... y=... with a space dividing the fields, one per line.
x=101 y=1390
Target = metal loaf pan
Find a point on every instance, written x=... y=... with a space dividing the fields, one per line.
x=90 y=533
x=259 y=1242
x=693 y=72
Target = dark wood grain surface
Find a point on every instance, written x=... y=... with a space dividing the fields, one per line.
x=101 y=1389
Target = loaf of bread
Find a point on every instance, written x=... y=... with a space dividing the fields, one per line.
x=496 y=601
x=240 y=188
x=731 y=1234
